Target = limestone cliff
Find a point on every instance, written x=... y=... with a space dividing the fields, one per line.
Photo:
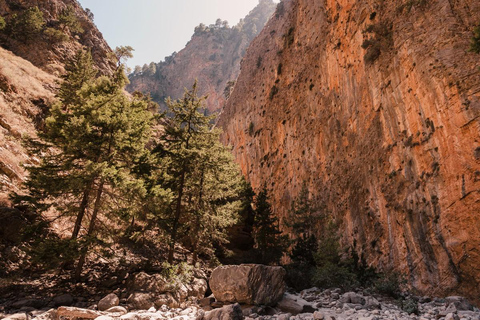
x=212 y=56
x=375 y=105
x=29 y=79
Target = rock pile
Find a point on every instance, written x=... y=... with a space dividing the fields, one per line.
x=311 y=304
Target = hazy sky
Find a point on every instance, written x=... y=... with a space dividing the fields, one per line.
x=157 y=28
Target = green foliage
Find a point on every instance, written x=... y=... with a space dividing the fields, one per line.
x=331 y=270
x=26 y=25
x=55 y=36
x=180 y=273
x=475 y=41
x=410 y=306
x=69 y=20
x=202 y=180
x=389 y=283
x=269 y=242
x=3 y=24
x=123 y=53
x=94 y=134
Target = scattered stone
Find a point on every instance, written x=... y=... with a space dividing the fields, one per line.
x=72 y=313
x=317 y=315
x=294 y=304
x=140 y=301
x=460 y=303
x=248 y=284
x=108 y=302
x=117 y=309
x=206 y=301
x=230 y=312
x=353 y=298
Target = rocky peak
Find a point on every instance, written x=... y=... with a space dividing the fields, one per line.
x=375 y=106
x=212 y=56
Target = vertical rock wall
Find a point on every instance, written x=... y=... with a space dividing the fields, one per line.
x=390 y=147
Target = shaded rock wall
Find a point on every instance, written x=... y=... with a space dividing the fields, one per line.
x=389 y=147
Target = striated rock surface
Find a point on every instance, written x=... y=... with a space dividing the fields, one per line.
x=385 y=135
x=212 y=56
x=248 y=284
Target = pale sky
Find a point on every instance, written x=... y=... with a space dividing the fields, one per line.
x=157 y=28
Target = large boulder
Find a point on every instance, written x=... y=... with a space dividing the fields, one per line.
x=248 y=283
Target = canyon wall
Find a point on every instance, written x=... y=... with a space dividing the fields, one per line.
x=212 y=57
x=374 y=105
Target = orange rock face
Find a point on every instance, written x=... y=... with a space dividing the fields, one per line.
x=384 y=132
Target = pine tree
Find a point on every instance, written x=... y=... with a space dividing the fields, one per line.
x=68 y=19
x=304 y=216
x=269 y=241
x=94 y=134
x=201 y=175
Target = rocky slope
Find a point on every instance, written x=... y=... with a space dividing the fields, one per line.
x=212 y=56
x=384 y=132
x=29 y=77
x=41 y=50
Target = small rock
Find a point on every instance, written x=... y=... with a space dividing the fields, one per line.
x=117 y=309
x=231 y=312
x=104 y=318
x=352 y=297
x=284 y=316
x=63 y=300
x=317 y=315
x=140 y=301
x=452 y=316
x=206 y=301
x=460 y=303
x=71 y=312
x=294 y=304
x=216 y=304
x=108 y=301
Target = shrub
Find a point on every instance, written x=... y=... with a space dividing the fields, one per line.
x=300 y=276
x=55 y=36
x=27 y=25
x=410 y=306
x=389 y=283
x=475 y=41
x=68 y=19
x=3 y=24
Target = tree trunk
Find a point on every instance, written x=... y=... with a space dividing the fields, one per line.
x=81 y=211
x=178 y=212
x=91 y=229
x=196 y=231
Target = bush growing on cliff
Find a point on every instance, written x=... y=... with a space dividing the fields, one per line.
x=26 y=25
x=3 y=24
x=475 y=41
x=68 y=19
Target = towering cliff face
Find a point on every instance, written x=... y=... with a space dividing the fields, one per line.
x=212 y=56
x=29 y=80
x=385 y=132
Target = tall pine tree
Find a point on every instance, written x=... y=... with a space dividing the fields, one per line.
x=94 y=135
x=269 y=241
x=201 y=175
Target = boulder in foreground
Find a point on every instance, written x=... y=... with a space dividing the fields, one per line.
x=248 y=284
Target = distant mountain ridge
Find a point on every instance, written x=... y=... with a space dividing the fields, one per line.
x=212 y=56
